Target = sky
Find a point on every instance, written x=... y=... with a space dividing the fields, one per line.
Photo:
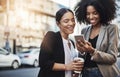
x=63 y=2
x=67 y=3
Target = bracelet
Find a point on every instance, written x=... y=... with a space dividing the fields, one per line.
x=95 y=50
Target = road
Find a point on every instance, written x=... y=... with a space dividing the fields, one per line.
x=21 y=72
x=27 y=72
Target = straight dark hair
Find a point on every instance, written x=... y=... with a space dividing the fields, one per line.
x=61 y=12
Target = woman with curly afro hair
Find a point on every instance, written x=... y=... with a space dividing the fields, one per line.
x=100 y=48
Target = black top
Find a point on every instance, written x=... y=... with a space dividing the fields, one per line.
x=88 y=62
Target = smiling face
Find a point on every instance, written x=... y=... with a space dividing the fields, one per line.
x=67 y=24
x=93 y=16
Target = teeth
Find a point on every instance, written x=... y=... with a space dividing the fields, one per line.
x=92 y=21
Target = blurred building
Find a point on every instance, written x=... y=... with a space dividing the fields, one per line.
x=25 y=22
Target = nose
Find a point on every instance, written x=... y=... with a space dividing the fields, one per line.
x=91 y=16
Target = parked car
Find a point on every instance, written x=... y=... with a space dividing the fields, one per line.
x=30 y=57
x=8 y=59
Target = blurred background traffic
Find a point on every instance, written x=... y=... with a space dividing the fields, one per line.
x=23 y=24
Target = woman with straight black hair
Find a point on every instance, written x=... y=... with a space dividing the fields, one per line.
x=100 y=48
x=57 y=50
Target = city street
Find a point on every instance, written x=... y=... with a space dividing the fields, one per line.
x=24 y=24
x=21 y=72
x=27 y=72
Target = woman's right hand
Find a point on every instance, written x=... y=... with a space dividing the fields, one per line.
x=74 y=66
x=80 y=46
x=85 y=47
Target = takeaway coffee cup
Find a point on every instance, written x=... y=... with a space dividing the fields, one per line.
x=76 y=59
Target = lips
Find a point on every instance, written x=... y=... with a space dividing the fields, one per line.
x=92 y=21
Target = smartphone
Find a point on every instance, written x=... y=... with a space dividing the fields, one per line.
x=79 y=37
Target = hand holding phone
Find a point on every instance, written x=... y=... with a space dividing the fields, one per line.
x=79 y=37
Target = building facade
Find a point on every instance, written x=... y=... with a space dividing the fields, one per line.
x=24 y=22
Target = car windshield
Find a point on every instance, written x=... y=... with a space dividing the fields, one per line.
x=2 y=51
x=25 y=52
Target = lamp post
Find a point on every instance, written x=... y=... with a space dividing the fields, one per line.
x=6 y=34
x=7 y=31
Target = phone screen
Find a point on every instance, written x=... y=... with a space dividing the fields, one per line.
x=79 y=37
